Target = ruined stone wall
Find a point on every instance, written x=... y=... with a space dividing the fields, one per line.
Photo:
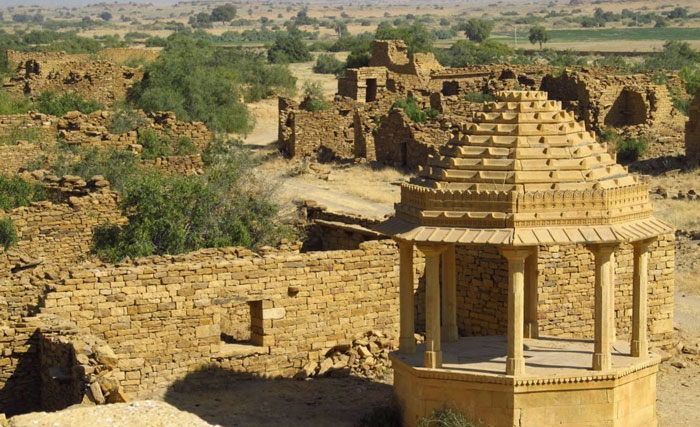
x=692 y=131
x=56 y=71
x=324 y=134
x=163 y=316
x=95 y=129
x=49 y=365
x=400 y=142
x=52 y=237
x=601 y=98
x=565 y=291
x=177 y=165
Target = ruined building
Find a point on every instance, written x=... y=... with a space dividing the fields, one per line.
x=526 y=178
x=361 y=124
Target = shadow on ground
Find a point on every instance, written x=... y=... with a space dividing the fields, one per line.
x=222 y=397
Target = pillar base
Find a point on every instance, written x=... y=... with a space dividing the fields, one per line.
x=640 y=348
x=601 y=361
x=433 y=359
x=407 y=345
x=530 y=330
x=449 y=333
x=515 y=366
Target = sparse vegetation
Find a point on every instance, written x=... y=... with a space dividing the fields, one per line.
x=172 y=214
x=8 y=233
x=328 y=64
x=479 y=97
x=313 y=97
x=155 y=145
x=413 y=111
x=447 y=418
x=16 y=192
x=50 y=102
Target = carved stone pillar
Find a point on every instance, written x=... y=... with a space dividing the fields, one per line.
x=515 y=362
x=603 y=319
x=449 y=295
x=531 y=281
x=407 y=341
x=639 y=345
x=433 y=350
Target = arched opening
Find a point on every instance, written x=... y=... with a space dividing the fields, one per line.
x=629 y=109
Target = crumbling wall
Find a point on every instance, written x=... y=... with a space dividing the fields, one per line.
x=56 y=71
x=565 y=291
x=94 y=129
x=601 y=98
x=401 y=143
x=177 y=165
x=324 y=134
x=48 y=365
x=163 y=316
x=692 y=131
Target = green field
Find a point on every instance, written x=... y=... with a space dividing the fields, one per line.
x=615 y=34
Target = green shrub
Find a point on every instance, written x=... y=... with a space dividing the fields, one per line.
x=410 y=107
x=125 y=119
x=313 y=97
x=155 y=145
x=629 y=150
x=8 y=234
x=58 y=105
x=417 y=37
x=199 y=82
x=447 y=418
x=175 y=214
x=16 y=192
x=288 y=47
x=464 y=52
x=117 y=166
x=479 y=97
x=328 y=64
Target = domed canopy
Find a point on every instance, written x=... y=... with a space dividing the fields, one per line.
x=524 y=172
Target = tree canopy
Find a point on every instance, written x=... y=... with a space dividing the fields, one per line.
x=538 y=34
x=478 y=30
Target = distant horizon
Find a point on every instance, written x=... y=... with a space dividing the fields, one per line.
x=71 y=3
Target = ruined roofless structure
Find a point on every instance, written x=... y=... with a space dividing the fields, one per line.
x=522 y=175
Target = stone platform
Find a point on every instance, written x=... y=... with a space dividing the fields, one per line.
x=558 y=387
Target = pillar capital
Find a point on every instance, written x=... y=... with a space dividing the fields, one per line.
x=432 y=250
x=513 y=253
x=643 y=244
x=603 y=249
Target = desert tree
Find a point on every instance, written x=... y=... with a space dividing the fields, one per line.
x=538 y=34
x=478 y=30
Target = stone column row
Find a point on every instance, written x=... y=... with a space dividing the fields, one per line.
x=604 y=329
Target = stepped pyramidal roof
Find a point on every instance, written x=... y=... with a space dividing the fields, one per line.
x=524 y=172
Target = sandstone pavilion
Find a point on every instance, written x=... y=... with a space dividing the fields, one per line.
x=524 y=175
